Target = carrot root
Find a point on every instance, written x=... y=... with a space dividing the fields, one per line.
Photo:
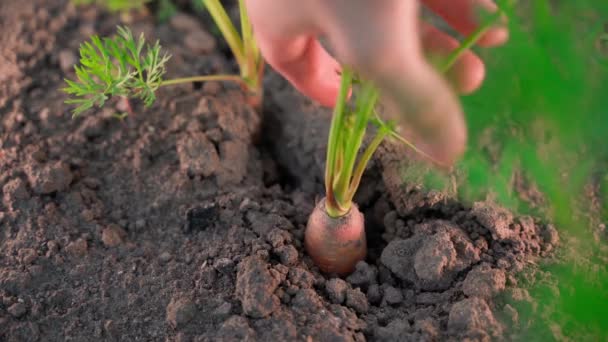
x=335 y=244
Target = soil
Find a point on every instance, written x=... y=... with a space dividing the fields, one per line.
x=179 y=223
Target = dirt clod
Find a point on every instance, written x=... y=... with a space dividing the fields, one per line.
x=48 y=178
x=374 y=296
x=14 y=191
x=484 y=281
x=398 y=257
x=236 y=328
x=287 y=254
x=255 y=287
x=197 y=155
x=363 y=276
x=494 y=218
x=201 y=217
x=180 y=311
x=27 y=255
x=336 y=290
x=357 y=300
x=77 y=247
x=113 y=235
x=301 y=277
x=435 y=257
x=392 y=295
x=472 y=315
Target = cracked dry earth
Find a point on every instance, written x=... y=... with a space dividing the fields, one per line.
x=179 y=224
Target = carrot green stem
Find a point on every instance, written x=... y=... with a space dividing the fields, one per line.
x=232 y=78
x=228 y=30
x=364 y=107
x=469 y=42
x=336 y=129
x=250 y=48
x=362 y=164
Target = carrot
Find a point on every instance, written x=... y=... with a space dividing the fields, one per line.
x=335 y=234
x=335 y=244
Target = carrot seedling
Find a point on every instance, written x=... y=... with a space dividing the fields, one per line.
x=243 y=47
x=129 y=67
x=335 y=233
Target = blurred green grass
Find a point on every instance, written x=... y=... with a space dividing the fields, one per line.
x=542 y=116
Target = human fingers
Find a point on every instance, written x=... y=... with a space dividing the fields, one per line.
x=467 y=73
x=381 y=40
x=287 y=37
x=462 y=16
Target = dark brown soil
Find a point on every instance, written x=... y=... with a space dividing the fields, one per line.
x=176 y=224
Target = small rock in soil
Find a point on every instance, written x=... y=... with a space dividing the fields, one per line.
x=212 y=88
x=363 y=276
x=255 y=288
x=201 y=217
x=113 y=235
x=49 y=178
x=472 y=314
x=484 y=281
x=392 y=295
x=67 y=60
x=164 y=256
x=17 y=310
x=494 y=218
x=336 y=290
x=180 y=311
x=200 y=41
x=197 y=155
x=184 y=22
x=287 y=254
x=357 y=300
x=77 y=248
x=394 y=331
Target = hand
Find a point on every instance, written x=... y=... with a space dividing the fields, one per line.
x=384 y=41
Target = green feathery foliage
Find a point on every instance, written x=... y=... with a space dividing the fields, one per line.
x=116 y=66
